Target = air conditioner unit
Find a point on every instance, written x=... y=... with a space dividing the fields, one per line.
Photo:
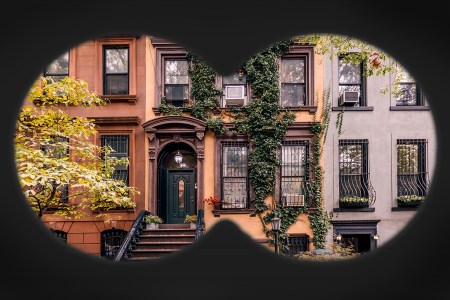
x=349 y=98
x=234 y=95
x=294 y=200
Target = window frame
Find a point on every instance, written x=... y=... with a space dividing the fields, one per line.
x=305 y=178
x=247 y=90
x=114 y=134
x=221 y=177
x=63 y=189
x=132 y=67
x=362 y=84
x=307 y=53
x=422 y=166
x=46 y=74
x=164 y=59
x=105 y=75
x=420 y=101
x=365 y=191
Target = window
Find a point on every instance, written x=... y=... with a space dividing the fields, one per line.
x=293 y=85
x=294 y=157
x=58 y=147
x=59 y=68
x=408 y=93
x=412 y=176
x=110 y=242
x=116 y=70
x=351 y=85
x=176 y=81
x=234 y=175
x=296 y=245
x=120 y=145
x=354 y=183
x=234 y=90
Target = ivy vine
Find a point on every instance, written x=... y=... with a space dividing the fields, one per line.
x=266 y=123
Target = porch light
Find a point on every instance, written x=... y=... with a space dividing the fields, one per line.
x=339 y=237
x=376 y=236
x=275 y=228
x=178 y=157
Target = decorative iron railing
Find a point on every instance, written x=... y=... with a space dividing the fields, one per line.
x=200 y=224
x=129 y=243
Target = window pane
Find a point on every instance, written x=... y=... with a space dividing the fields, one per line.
x=292 y=95
x=120 y=145
x=176 y=92
x=349 y=73
x=234 y=79
x=353 y=169
x=59 y=66
x=234 y=175
x=293 y=70
x=116 y=85
x=407 y=94
x=235 y=92
x=176 y=72
x=411 y=167
x=403 y=75
x=181 y=194
x=116 y=61
x=293 y=162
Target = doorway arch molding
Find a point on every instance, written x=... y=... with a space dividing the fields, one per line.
x=162 y=131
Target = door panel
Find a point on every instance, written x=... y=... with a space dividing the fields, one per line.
x=180 y=195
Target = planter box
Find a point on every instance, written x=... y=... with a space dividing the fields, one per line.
x=152 y=226
x=353 y=204
x=412 y=203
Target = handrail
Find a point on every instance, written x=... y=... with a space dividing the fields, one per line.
x=200 y=228
x=131 y=237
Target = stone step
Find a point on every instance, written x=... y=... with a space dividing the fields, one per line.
x=177 y=232
x=161 y=245
x=167 y=238
x=152 y=253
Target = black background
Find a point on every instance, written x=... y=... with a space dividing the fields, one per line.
x=225 y=263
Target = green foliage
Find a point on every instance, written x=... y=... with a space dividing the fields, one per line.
x=45 y=136
x=169 y=109
x=203 y=88
x=191 y=219
x=153 y=219
x=354 y=199
x=410 y=198
x=338 y=252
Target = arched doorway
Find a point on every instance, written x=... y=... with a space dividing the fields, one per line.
x=177 y=184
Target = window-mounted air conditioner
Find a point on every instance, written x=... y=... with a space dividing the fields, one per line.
x=234 y=95
x=294 y=200
x=349 y=98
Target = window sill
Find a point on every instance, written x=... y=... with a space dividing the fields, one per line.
x=352 y=108
x=132 y=99
x=359 y=209
x=310 y=109
x=409 y=108
x=246 y=211
x=411 y=208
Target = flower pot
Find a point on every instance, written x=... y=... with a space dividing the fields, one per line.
x=152 y=226
x=412 y=203
x=343 y=204
x=193 y=225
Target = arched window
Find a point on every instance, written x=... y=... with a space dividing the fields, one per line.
x=110 y=242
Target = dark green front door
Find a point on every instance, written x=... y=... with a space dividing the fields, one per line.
x=181 y=197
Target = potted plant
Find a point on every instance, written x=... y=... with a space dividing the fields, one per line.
x=212 y=200
x=353 y=202
x=192 y=220
x=409 y=200
x=152 y=221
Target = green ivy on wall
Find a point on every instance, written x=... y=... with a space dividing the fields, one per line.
x=266 y=123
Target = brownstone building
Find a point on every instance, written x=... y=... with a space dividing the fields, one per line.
x=136 y=73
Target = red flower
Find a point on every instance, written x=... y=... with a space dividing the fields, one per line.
x=211 y=200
